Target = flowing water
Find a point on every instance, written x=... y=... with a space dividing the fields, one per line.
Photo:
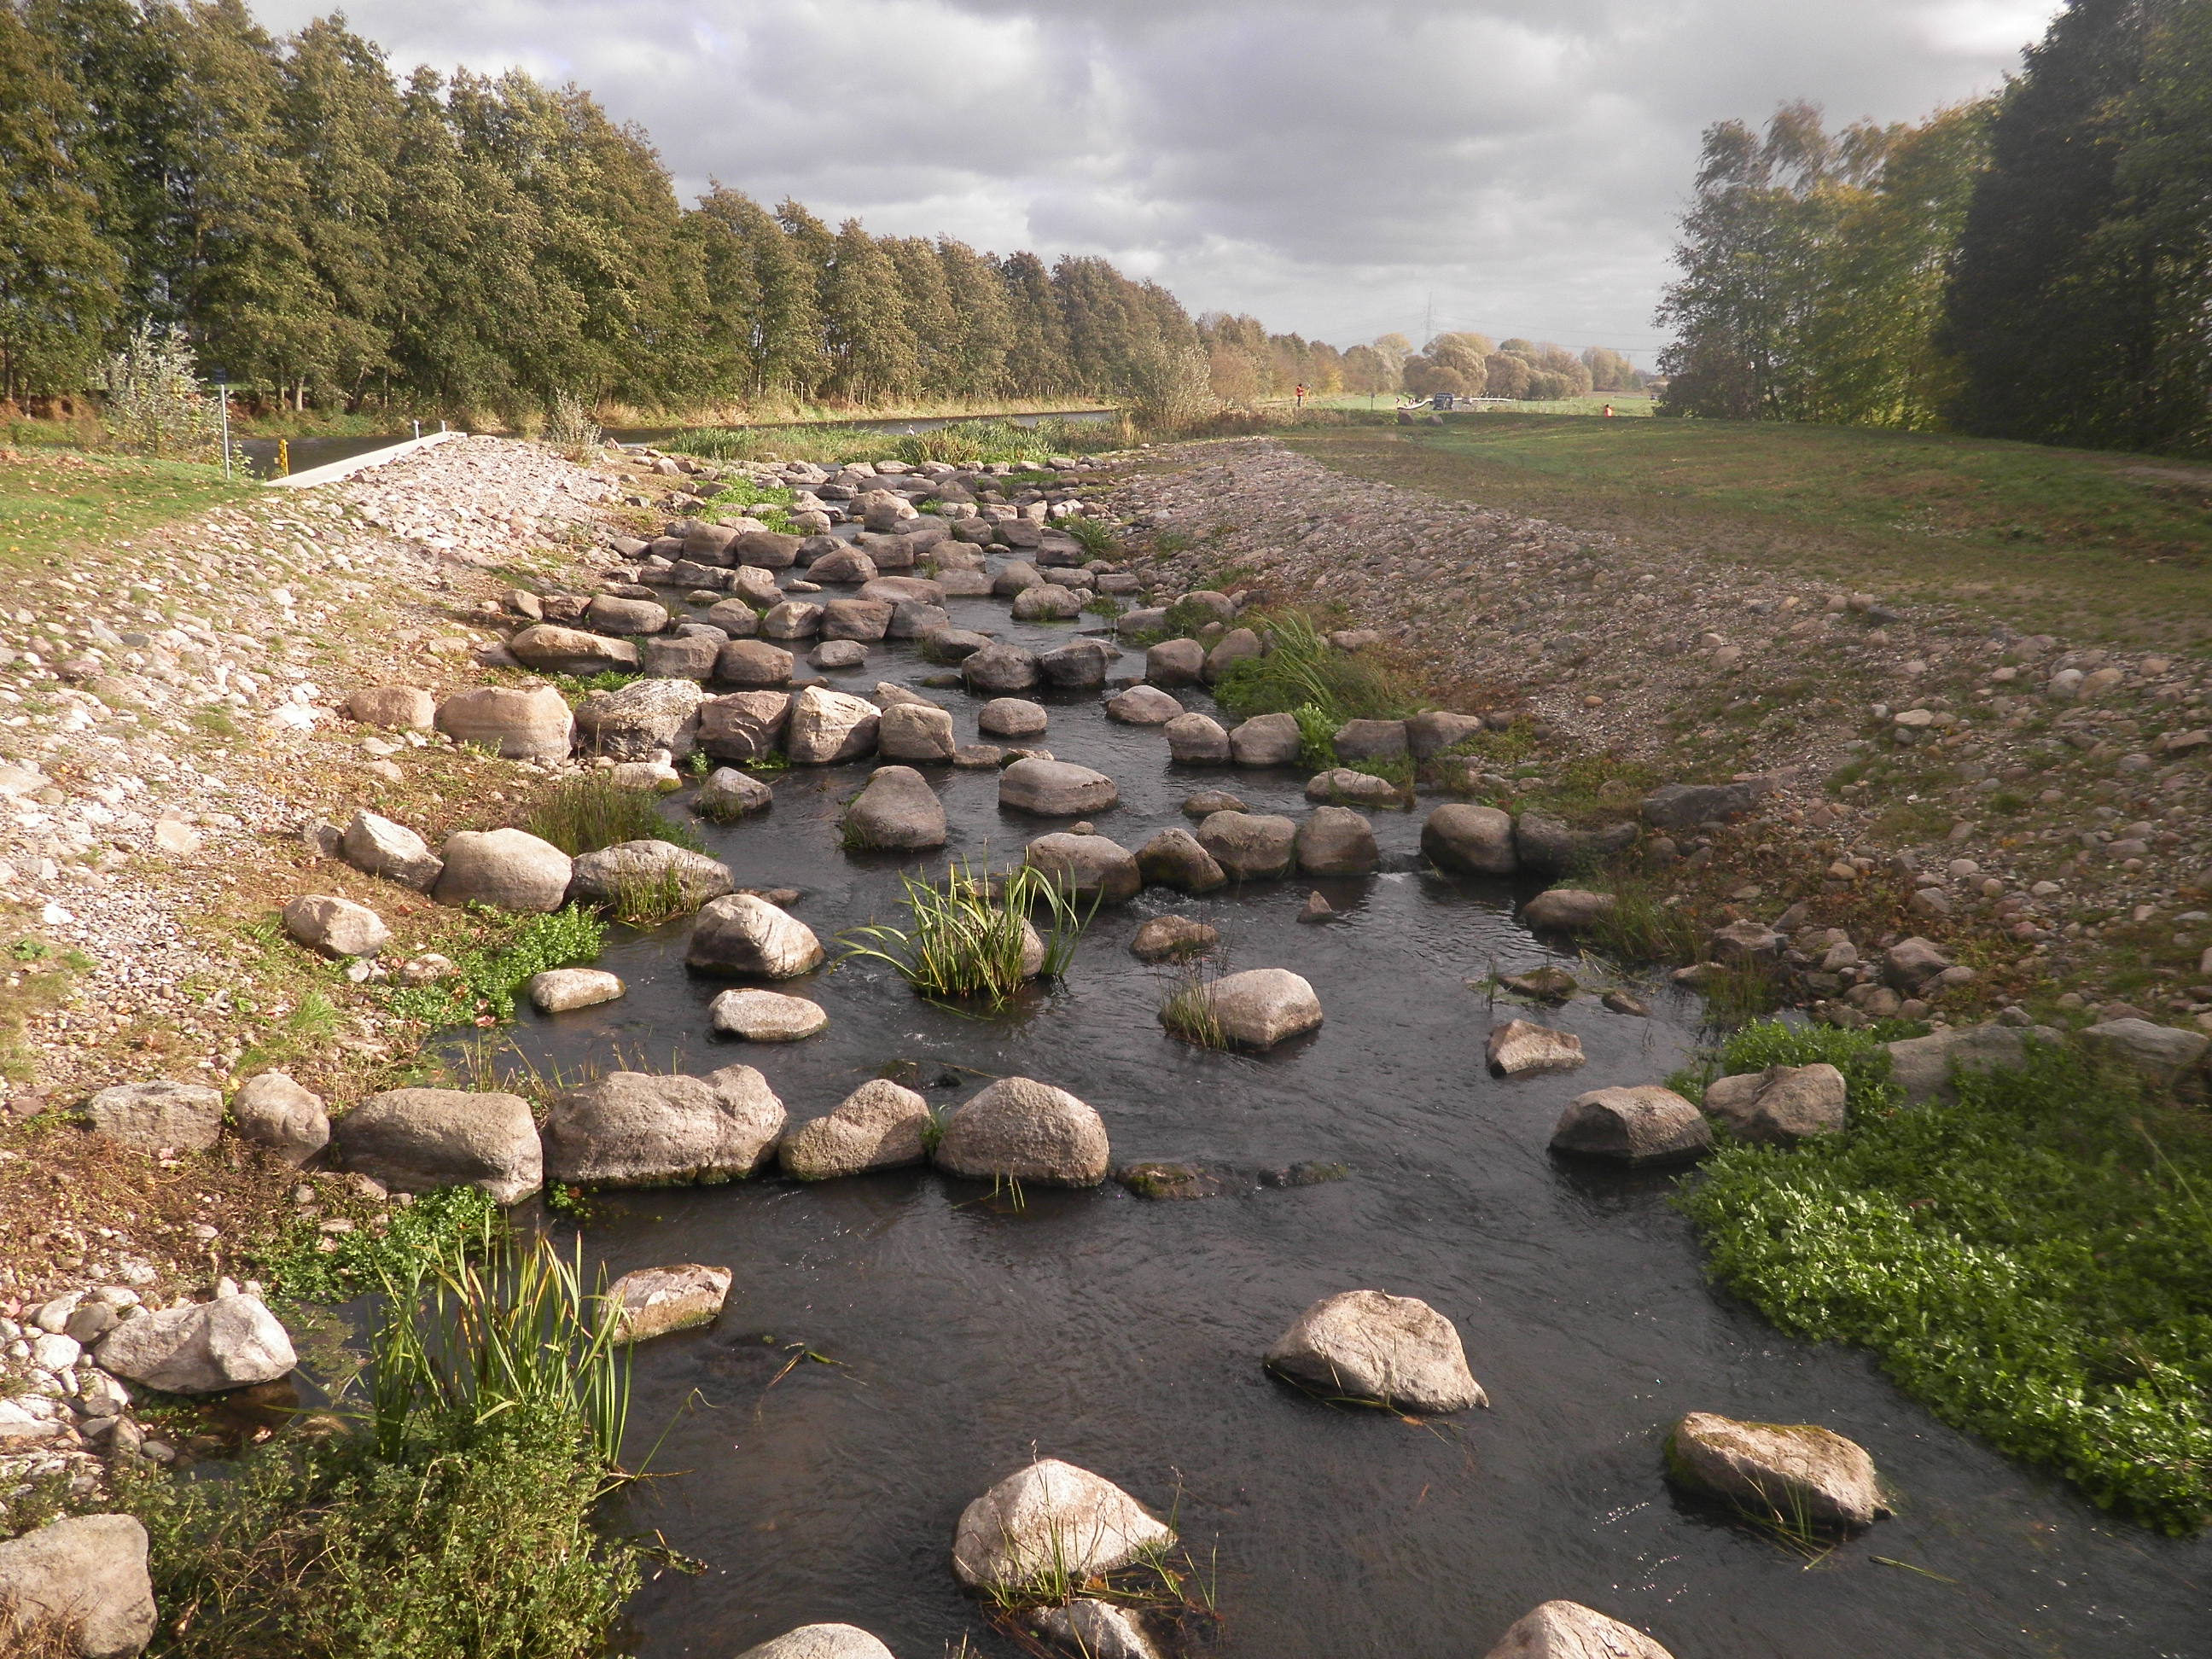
x=958 y=1336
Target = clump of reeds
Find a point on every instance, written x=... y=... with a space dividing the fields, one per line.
x=972 y=931
x=1187 y=1011
x=586 y=814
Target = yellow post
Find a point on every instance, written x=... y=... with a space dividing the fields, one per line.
x=284 y=458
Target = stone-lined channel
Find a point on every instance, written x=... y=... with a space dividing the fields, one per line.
x=1124 y=1334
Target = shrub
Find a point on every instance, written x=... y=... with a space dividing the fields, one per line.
x=1301 y=668
x=588 y=814
x=2030 y=1263
x=154 y=403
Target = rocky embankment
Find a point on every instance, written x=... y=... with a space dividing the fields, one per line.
x=2038 y=806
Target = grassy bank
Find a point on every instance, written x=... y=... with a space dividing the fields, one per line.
x=2034 y=1262
x=2117 y=543
x=57 y=499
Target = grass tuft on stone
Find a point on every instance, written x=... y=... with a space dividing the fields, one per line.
x=969 y=932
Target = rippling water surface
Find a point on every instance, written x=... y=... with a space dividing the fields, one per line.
x=1124 y=1334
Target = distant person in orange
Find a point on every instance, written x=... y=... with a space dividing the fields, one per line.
x=1608 y=409
x=1299 y=393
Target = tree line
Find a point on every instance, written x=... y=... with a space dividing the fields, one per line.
x=335 y=238
x=2034 y=265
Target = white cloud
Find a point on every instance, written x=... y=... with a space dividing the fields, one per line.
x=1331 y=168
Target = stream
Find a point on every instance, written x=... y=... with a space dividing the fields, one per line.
x=959 y=1336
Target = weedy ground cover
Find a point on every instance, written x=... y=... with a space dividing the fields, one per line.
x=2034 y=1262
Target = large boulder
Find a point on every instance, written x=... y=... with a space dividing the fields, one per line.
x=630 y=722
x=1051 y=1521
x=515 y=725
x=821 y=1642
x=745 y=935
x=551 y=649
x=1520 y=1048
x=1086 y=867
x=416 y=1140
x=82 y=1579
x=1013 y=577
x=737 y=618
x=1077 y=668
x=628 y=864
x=903 y=590
x=1475 y=841
x=895 y=811
x=1142 y=705
x=752 y=665
x=1371 y=1348
x=1000 y=669
x=744 y=726
x=1568 y=909
x=1011 y=717
x=336 y=926
x=867 y=620
x=689 y=654
x=1175 y=859
x=1176 y=662
x=508 y=869
x=1568 y=1629
x=1049 y=602
x=614 y=613
x=379 y=847
x=1249 y=846
x=203 y=1347
x=650 y=1302
x=755 y=584
x=1798 y=1473
x=1550 y=847
x=827 y=726
x=563 y=990
x=1342 y=786
x=1680 y=806
x=1168 y=939
x=790 y=619
x=729 y=793
x=635 y=1129
x=1433 y=733
x=1262 y=1007
x=1925 y=1068
x=2159 y=1054
x=159 y=1116
x=1021 y=1130
x=1335 y=840
x=1237 y=645
x=915 y=732
x=1197 y=740
x=393 y=707
x=1358 y=740
x=847 y=566
x=1645 y=1124
x=1267 y=740
x=879 y=1126
x=766 y=549
x=1781 y=1105
x=271 y=1110
x=1056 y=789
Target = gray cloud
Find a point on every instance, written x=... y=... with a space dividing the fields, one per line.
x=1333 y=168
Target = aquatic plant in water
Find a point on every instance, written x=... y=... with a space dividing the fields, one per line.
x=971 y=932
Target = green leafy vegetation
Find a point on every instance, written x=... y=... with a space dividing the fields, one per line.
x=1301 y=673
x=971 y=933
x=2031 y=1262
x=488 y=976
x=589 y=814
x=454 y=1518
x=299 y=1266
x=1096 y=536
x=49 y=501
x=649 y=899
x=577 y=687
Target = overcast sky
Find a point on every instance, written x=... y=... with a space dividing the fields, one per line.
x=1332 y=167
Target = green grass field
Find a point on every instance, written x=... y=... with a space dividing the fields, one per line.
x=1624 y=402
x=2108 y=546
x=50 y=499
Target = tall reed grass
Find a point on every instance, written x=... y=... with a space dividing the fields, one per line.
x=588 y=814
x=972 y=935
